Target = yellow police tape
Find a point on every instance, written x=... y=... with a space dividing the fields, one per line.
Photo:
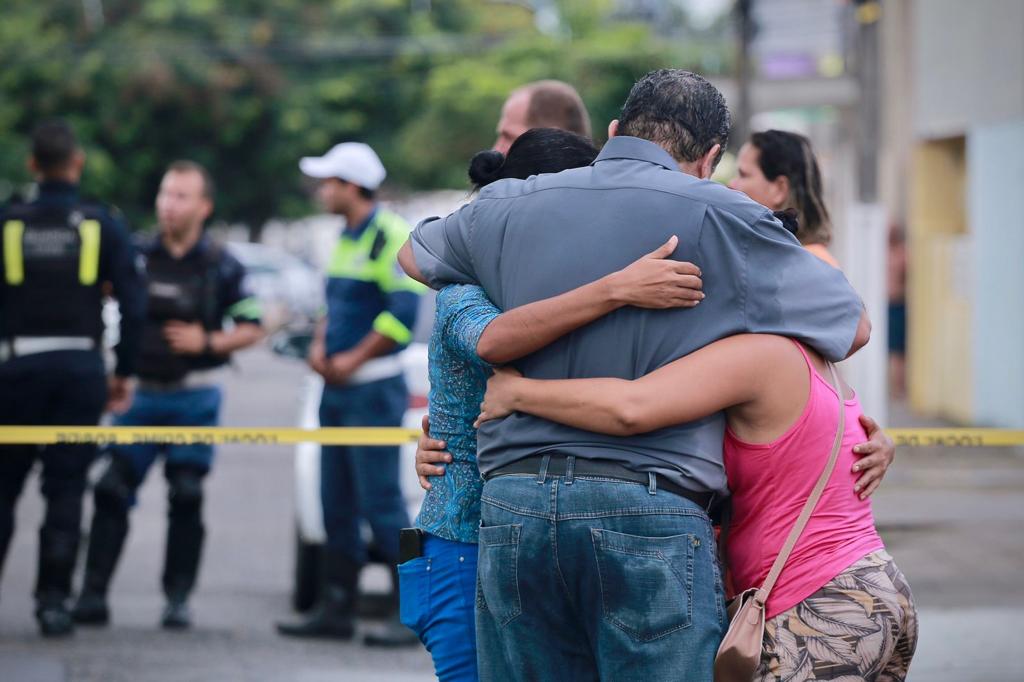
x=963 y=438
x=221 y=435
x=206 y=435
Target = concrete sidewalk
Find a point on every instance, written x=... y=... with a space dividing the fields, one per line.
x=961 y=645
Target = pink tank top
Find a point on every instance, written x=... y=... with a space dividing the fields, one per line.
x=771 y=482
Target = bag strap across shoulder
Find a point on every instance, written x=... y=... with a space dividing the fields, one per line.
x=801 y=522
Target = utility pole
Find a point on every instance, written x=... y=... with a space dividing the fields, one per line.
x=865 y=237
x=744 y=36
x=868 y=13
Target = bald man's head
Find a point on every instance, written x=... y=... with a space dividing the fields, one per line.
x=541 y=104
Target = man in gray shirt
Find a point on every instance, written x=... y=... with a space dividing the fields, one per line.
x=582 y=573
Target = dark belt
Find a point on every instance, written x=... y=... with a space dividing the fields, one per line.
x=602 y=468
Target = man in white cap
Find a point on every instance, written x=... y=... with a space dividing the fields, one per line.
x=371 y=310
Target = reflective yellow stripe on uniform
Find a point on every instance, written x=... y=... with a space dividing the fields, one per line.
x=14 y=263
x=89 y=257
x=391 y=278
x=247 y=308
x=351 y=259
x=390 y=326
x=389 y=274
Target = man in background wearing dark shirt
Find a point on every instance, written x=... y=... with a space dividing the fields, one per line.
x=194 y=286
x=57 y=255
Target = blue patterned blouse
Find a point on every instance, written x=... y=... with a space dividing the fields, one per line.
x=458 y=380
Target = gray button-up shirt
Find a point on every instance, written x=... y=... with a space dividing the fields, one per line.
x=526 y=240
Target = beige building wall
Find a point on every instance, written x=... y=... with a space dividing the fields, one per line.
x=939 y=340
x=965 y=90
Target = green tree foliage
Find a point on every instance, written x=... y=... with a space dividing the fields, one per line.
x=248 y=87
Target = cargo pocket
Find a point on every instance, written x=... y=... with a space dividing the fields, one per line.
x=498 y=572
x=646 y=583
x=414 y=593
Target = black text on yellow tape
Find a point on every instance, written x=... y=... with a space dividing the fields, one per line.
x=164 y=435
x=957 y=438
x=222 y=435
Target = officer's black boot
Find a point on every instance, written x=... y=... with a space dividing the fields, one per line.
x=106 y=540
x=185 y=533
x=6 y=527
x=112 y=497
x=392 y=633
x=57 y=552
x=333 y=617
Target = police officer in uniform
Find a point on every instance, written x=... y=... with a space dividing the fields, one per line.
x=57 y=255
x=194 y=286
x=371 y=310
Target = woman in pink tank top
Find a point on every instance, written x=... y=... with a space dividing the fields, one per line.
x=841 y=607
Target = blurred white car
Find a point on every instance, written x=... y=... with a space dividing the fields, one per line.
x=288 y=289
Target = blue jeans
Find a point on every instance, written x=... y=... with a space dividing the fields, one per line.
x=361 y=482
x=187 y=407
x=437 y=592
x=595 y=579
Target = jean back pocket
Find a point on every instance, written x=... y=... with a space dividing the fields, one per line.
x=646 y=583
x=498 y=571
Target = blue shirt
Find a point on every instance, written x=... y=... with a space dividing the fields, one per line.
x=366 y=289
x=527 y=240
x=458 y=380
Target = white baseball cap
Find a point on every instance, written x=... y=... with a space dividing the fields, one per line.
x=353 y=162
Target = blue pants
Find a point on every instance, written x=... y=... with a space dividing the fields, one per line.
x=586 y=579
x=438 y=595
x=187 y=407
x=360 y=482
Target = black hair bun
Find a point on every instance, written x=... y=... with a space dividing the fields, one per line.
x=486 y=167
x=789 y=219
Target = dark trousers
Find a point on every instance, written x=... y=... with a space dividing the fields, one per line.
x=358 y=482
x=58 y=388
x=185 y=466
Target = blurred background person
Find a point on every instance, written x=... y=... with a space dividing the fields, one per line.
x=897 y=275
x=371 y=311
x=194 y=285
x=57 y=255
x=541 y=104
x=778 y=170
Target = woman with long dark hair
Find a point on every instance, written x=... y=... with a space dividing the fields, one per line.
x=778 y=170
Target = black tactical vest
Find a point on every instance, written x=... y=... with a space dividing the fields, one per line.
x=51 y=271
x=184 y=290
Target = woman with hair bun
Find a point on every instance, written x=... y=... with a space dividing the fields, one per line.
x=778 y=170
x=539 y=150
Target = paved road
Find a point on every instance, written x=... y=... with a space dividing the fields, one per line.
x=951 y=518
x=244 y=583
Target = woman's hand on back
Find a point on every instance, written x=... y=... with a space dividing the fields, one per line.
x=657 y=281
x=876 y=456
x=429 y=453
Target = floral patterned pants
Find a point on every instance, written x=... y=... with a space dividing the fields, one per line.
x=861 y=626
